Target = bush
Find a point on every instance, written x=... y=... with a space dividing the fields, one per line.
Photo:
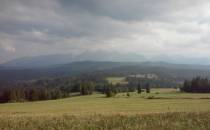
x=157 y=93
x=150 y=97
x=128 y=94
x=110 y=91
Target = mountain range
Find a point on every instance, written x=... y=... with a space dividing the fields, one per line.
x=162 y=69
x=58 y=59
x=101 y=62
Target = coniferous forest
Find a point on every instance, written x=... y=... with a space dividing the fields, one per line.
x=196 y=85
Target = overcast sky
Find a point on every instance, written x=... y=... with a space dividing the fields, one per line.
x=147 y=27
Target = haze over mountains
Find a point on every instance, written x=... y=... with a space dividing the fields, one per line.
x=50 y=60
x=58 y=59
x=108 y=63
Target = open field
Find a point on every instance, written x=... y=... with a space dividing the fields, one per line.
x=168 y=100
x=116 y=80
x=167 y=107
x=165 y=100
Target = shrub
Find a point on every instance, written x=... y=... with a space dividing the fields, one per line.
x=110 y=91
x=150 y=97
x=128 y=94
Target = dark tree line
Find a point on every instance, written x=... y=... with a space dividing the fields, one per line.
x=196 y=85
x=51 y=88
x=111 y=90
x=140 y=89
x=87 y=88
x=55 y=88
x=21 y=94
x=154 y=83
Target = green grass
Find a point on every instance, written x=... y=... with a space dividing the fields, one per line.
x=117 y=112
x=116 y=80
x=167 y=101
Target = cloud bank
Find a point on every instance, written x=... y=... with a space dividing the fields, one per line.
x=147 y=27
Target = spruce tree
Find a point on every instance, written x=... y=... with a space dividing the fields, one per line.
x=147 y=88
x=139 y=88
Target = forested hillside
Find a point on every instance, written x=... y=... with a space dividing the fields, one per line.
x=163 y=70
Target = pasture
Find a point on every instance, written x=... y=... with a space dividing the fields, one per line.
x=116 y=80
x=98 y=112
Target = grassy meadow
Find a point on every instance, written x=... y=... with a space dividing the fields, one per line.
x=116 y=80
x=161 y=109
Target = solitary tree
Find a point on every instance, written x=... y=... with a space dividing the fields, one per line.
x=147 y=88
x=110 y=91
x=139 y=88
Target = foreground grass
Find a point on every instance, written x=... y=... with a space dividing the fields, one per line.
x=164 y=121
x=168 y=109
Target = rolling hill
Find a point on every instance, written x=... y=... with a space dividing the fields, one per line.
x=162 y=69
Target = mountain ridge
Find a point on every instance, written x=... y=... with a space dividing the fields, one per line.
x=59 y=59
x=105 y=67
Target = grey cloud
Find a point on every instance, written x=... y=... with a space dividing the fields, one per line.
x=150 y=27
x=134 y=10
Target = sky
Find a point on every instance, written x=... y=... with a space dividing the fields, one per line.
x=168 y=28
